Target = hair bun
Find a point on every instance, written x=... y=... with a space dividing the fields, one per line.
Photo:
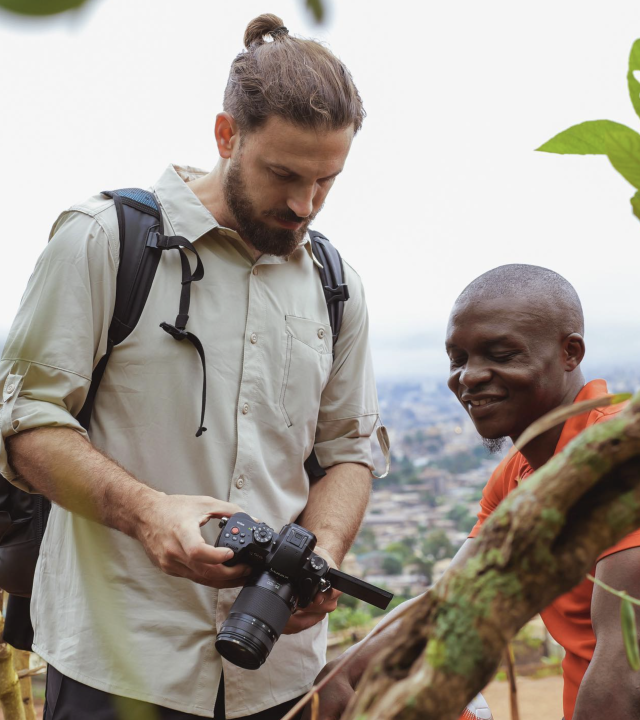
x=263 y=25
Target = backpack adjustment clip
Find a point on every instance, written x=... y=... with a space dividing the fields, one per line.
x=336 y=294
x=175 y=332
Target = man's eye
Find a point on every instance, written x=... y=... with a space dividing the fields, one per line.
x=504 y=357
x=280 y=176
x=456 y=361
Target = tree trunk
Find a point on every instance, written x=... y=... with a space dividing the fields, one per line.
x=10 y=695
x=538 y=544
x=21 y=662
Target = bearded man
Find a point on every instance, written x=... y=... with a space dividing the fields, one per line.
x=127 y=604
x=515 y=341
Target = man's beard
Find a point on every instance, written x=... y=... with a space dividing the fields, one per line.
x=494 y=445
x=273 y=241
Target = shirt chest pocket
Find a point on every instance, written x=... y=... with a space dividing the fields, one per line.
x=307 y=364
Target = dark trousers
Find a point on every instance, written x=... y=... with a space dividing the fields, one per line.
x=67 y=699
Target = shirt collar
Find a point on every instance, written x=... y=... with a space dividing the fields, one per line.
x=187 y=216
x=573 y=426
x=190 y=218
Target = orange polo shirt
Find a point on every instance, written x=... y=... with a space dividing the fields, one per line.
x=568 y=618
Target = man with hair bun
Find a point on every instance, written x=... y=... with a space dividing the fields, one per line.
x=515 y=341
x=129 y=590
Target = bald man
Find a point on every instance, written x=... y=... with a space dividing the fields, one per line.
x=515 y=344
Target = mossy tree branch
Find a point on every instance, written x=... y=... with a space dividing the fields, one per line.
x=538 y=544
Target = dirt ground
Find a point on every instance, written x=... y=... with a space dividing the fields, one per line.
x=537 y=699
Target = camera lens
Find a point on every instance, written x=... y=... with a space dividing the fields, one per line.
x=255 y=621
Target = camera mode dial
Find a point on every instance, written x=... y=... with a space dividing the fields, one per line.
x=317 y=563
x=263 y=535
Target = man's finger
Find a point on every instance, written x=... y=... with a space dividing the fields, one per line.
x=219 y=508
x=206 y=577
x=302 y=621
x=197 y=550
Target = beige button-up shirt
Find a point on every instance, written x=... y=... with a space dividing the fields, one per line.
x=103 y=614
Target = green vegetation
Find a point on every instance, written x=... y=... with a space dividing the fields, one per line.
x=463 y=461
x=463 y=519
x=437 y=546
x=618 y=142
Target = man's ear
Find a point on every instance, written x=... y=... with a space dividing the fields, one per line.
x=573 y=350
x=226 y=132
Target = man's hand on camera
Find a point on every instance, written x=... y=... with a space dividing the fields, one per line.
x=170 y=534
x=323 y=603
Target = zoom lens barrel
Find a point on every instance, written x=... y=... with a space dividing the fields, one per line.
x=255 y=622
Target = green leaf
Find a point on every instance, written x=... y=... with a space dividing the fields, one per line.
x=563 y=413
x=40 y=7
x=629 y=633
x=317 y=8
x=635 y=204
x=634 y=85
x=587 y=138
x=623 y=150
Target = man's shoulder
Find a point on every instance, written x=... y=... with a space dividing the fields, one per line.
x=97 y=207
x=605 y=413
x=509 y=468
x=91 y=221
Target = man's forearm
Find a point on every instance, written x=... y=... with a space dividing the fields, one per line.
x=64 y=467
x=61 y=465
x=336 y=506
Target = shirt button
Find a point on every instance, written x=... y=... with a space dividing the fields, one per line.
x=11 y=388
x=321 y=333
x=254 y=338
x=239 y=482
x=245 y=408
x=255 y=271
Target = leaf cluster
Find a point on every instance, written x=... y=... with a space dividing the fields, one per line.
x=618 y=142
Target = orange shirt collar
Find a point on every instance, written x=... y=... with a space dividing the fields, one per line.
x=573 y=426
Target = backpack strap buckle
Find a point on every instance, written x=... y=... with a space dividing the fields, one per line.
x=336 y=294
x=175 y=332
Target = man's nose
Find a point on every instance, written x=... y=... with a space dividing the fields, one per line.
x=301 y=201
x=474 y=374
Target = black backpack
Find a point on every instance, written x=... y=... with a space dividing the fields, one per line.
x=23 y=516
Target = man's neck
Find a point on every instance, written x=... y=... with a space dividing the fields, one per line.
x=210 y=191
x=541 y=449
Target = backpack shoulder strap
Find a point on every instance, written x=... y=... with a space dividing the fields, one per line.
x=336 y=292
x=138 y=217
x=141 y=244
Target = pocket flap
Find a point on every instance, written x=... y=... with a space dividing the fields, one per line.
x=315 y=334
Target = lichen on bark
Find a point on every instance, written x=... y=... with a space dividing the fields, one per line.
x=539 y=543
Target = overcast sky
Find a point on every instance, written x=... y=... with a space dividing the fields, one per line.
x=441 y=185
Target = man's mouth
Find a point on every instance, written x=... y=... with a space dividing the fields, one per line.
x=474 y=405
x=288 y=224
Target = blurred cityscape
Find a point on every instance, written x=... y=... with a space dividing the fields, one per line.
x=422 y=512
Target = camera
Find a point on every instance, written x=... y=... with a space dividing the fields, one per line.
x=287 y=575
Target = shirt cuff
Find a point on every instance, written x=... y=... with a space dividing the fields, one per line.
x=18 y=414
x=353 y=444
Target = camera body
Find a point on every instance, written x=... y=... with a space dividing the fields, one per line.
x=287 y=555
x=287 y=575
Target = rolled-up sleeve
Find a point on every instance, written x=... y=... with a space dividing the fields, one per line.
x=60 y=331
x=349 y=404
